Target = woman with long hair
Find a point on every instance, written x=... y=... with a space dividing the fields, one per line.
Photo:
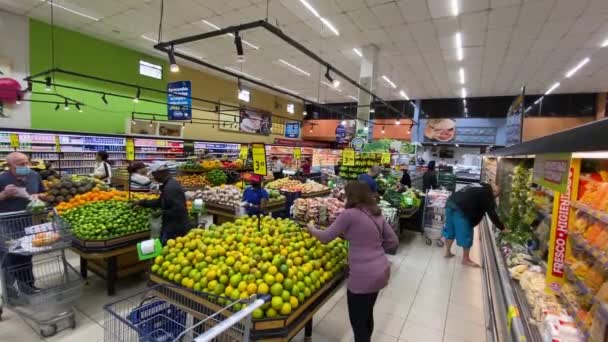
x=369 y=237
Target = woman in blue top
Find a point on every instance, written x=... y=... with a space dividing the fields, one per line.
x=256 y=197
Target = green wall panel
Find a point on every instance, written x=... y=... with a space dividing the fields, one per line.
x=83 y=54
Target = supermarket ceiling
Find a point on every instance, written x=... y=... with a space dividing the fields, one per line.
x=423 y=44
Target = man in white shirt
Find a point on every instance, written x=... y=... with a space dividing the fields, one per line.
x=277 y=167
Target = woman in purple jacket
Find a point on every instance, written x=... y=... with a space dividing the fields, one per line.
x=369 y=236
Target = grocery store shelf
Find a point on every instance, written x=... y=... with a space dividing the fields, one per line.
x=573 y=309
x=579 y=242
x=602 y=216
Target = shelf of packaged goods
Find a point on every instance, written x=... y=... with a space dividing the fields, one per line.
x=155 y=152
x=159 y=146
x=597 y=214
x=581 y=286
x=74 y=168
x=572 y=309
x=599 y=255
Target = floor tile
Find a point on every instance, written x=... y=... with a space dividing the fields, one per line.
x=464 y=329
x=416 y=332
x=388 y=324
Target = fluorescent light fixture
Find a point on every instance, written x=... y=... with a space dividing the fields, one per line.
x=285 y=89
x=242 y=73
x=404 y=95
x=459 y=51
x=354 y=98
x=553 y=87
x=318 y=16
x=358 y=52
x=461 y=75
x=71 y=10
x=538 y=100
x=590 y=155
x=330 y=26
x=463 y=93
x=454 y=7
x=389 y=81
x=331 y=86
x=294 y=67
x=244 y=95
x=464 y=102
x=291 y=108
x=577 y=67
x=605 y=43
x=230 y=34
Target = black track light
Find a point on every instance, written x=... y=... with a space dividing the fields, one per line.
x=174 y=67
x=240 y=54
x=334 y=82
x=66 y=105
x=103 y=98
x=136 y=98
x=78 y=107
x=57 y=107
x=47 y=83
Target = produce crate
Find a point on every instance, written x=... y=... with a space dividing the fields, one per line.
x=104 y=245
x=316 y=194
x=272 y=329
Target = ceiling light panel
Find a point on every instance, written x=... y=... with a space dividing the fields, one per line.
x=73 y=10
x=458 y=42
x=358 y=52
x=461 y=75
x=387 y=80
x=463 y=93
x=292 y=66
x=553 y=87
x=577 y=67
x=404 y=95
x=331 y=86
x=454 y=7
x=317 y=15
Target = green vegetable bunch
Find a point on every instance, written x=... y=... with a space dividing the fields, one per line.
x=217 y=177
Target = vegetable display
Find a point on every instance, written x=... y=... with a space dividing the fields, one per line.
x=64 y=189
x=523 y=211
x=192 y=180
x=321 y=210
x=217 y=177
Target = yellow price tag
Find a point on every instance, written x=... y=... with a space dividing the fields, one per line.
x=14 y=139
x=258 y=154
x=297 y=153
x=57 y=144
x=348 y=157
x=130 y=149
x=512 y=312
x=244 y=152
x=386 y=158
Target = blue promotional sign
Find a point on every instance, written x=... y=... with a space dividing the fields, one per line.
x=292 y=129
x=357 y=144
x=341 y=133
x=179 y=100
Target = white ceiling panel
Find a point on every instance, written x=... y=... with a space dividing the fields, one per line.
x=414 y=10
x=503 y=17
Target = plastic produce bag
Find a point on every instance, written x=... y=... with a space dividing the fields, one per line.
x=35 y=206
x=156 y=224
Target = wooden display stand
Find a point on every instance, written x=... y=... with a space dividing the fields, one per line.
x=280 y=329
x=111 y=259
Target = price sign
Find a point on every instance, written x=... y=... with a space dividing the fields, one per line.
x=297 y=153
x=130 y=149
x=57 y=144
x=243 y=152
x=386 y=158
x=258 y=153
x=348 y=157
x=14 y=139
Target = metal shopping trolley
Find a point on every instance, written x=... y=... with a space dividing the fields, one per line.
x=433 y=219
x=166 y=313
x=36 y=280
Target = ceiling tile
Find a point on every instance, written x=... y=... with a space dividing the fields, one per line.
x=472 y=22
x=414 y=10
x=568 y=9
x=399 y=33
x=388 y=14
x=439 y=8
x=364 y=19
x=467 y=6
x=447 y=26
x=350 y=5
x=503 y=17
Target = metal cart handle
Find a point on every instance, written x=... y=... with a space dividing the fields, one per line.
x=226 y=324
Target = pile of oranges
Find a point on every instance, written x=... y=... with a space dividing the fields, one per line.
x=96 y=195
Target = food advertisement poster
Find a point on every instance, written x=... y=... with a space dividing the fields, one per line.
x=514 y=121
x=551 y=171
x=248 y=120
x=441 y=130
x=179 y=100
x=345 y=131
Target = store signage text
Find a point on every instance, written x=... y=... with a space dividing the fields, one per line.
x=551 y=170
x=292 y=129
x=561 y=237
x=179 y=100
x=258 y=154
x=348 y=157
x=555 y=170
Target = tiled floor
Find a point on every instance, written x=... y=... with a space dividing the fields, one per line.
x=429 y=298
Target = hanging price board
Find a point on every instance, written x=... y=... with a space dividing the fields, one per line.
x=348 y=157
x=130 y=149
x=386 y=158
x=258 y=153
x=57 y=144
x=14 y=139
x=243 y=152
x=297 y=153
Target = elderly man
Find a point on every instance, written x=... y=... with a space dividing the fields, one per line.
x=17 y=185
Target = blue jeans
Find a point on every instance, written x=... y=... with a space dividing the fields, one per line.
x=457 y=227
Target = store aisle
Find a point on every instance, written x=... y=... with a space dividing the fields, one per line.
x=429 y=298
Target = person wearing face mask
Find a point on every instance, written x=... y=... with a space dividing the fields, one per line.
x=17 y=187
x=172 y=202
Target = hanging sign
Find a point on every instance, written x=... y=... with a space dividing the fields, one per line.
x=14 y=140
x=386 y=158
x=244 y=152
x=562 y=219
x=297 y=153
x=551 y=170
x=57 y=144
x=358 y=143
x=292 y=129
x=179 y=100
x=258 y=154
x=348 y=157
x=130 y=149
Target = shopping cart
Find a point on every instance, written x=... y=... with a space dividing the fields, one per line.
x=165 y=313
x=36 y=280
x=433 y=219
